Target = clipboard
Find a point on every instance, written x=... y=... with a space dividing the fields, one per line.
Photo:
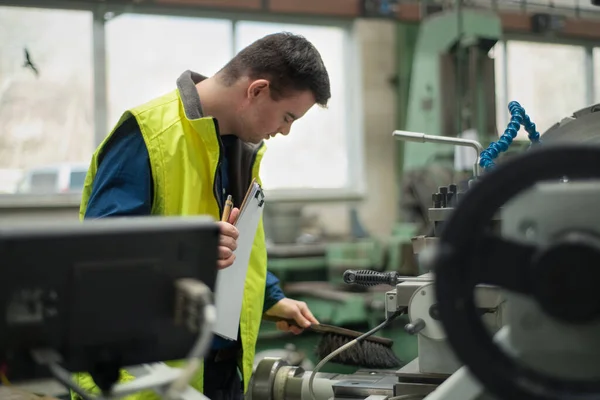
x=229 y=289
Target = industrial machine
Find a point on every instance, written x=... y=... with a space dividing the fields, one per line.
x=452 y=85
x=450 y=92
x=509 y=307
x=106 y=295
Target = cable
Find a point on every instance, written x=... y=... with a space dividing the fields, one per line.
x=64 y=377
x=201 y=294
x=345 y=347
x=194 y=298
x=194 y=295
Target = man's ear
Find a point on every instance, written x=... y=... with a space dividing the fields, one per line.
x=258 y=87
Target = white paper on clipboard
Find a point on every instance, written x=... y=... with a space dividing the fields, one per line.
x=229 y=291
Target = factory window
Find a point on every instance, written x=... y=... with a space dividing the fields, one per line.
x=546 y=95
x=77 y=180
x=46 y=90
x=497 y=53
x=44 y=182
x=146 y=54
x=597 y=75
x=317 y=153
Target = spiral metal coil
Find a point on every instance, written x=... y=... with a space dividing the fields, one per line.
x=518 y=117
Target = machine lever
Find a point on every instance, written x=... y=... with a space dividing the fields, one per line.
x=415 y=327
x=368 y=277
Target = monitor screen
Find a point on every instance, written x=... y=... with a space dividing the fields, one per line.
x=100 y=293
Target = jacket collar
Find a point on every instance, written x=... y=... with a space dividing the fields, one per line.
x=189 y=94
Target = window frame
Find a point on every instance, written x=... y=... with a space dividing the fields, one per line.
x=353 y=109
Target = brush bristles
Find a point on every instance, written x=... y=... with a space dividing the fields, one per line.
x=364 y=354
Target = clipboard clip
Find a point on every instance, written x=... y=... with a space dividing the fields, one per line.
x=260 y=196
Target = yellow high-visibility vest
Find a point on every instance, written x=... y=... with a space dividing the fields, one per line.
x=184 y=158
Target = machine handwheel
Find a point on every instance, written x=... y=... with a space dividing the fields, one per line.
x=468 y=255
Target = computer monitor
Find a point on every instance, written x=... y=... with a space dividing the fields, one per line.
x=100 y=293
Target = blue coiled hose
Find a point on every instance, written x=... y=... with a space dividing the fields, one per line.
x=518 y=117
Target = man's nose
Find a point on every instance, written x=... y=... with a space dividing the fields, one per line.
x=285 y=130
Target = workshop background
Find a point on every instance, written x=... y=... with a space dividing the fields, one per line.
x=341 y=193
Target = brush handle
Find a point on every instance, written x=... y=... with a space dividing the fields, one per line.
x=334 y=330
x=277 y=319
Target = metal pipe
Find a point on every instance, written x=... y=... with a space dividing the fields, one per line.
x=423 y=138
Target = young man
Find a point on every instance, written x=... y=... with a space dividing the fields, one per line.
x=182 y=153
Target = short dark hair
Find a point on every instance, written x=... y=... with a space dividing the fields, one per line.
x=288 y=61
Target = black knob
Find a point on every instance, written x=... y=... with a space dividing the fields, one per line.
x=437 y=200
x=434 y=312
x=444 y=192
x=453 y=188
x=450 y=199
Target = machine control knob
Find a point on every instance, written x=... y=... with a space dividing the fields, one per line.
x=437 y=200
x=415 y=327
x=450 y=199
x=443 y=190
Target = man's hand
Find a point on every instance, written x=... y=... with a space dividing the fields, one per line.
x=228 y=240
x=292 y=309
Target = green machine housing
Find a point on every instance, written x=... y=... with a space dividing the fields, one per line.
x=452 y=84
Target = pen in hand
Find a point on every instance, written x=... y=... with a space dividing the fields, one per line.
x=227 y=209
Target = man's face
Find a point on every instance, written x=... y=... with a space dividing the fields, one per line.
x=260 y=117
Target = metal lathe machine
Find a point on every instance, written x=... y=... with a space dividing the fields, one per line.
x=510 y=307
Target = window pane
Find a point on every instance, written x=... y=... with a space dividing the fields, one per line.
x=146 y=54
x=497 y=53
x=45 y=117
x=44 y=182
x=547 y=79
x=315 y=154
x=597 y=75
x=77 y=180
